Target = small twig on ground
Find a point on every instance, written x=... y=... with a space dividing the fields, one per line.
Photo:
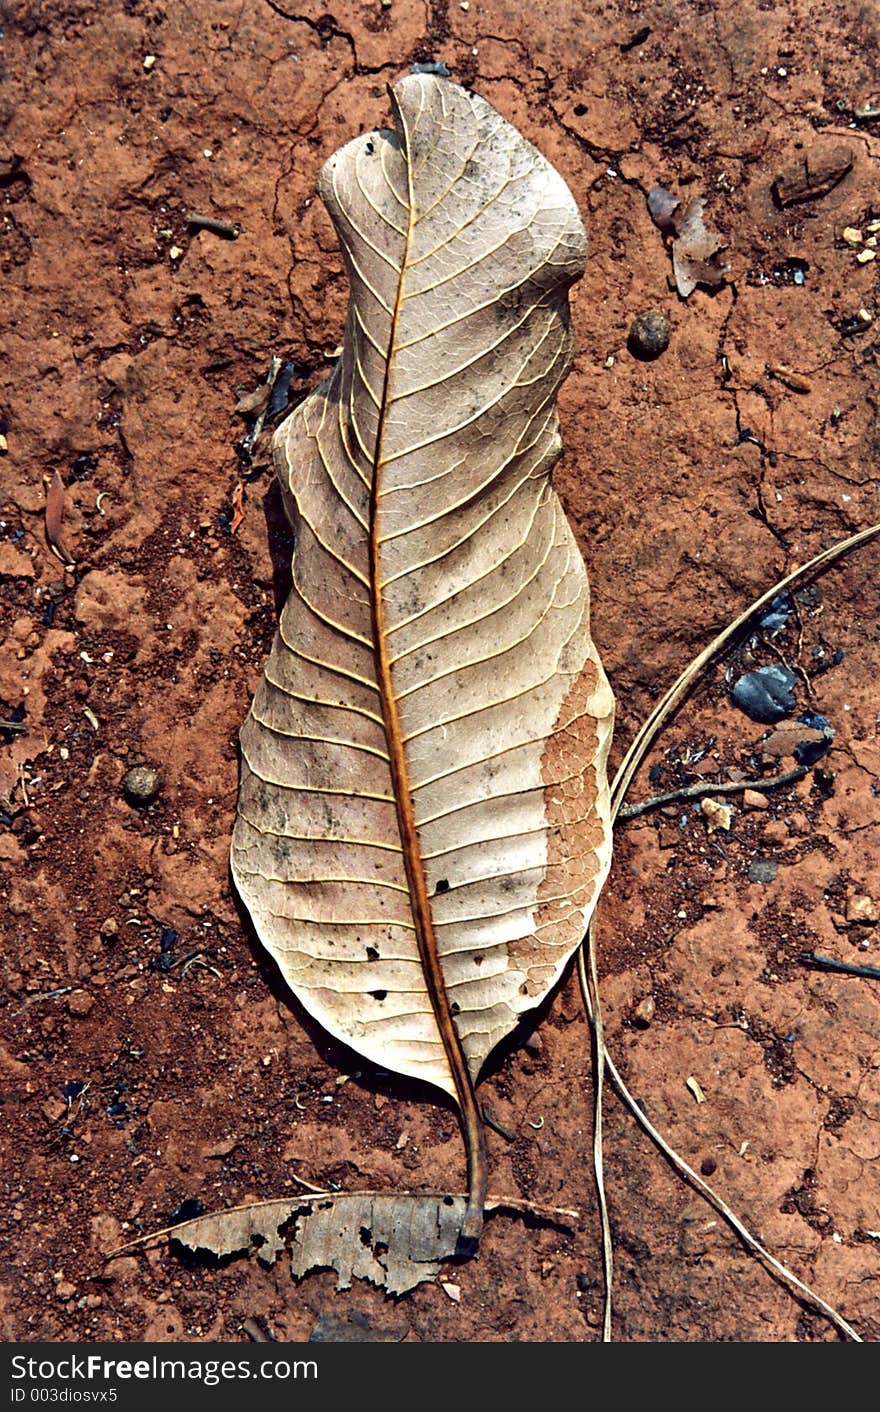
x=186 y=958
x=48 y=995
x=225 y=229
x=492 y=1121
x=587 y=969
x=17 y=726
x=696 y=791
x=815 y=962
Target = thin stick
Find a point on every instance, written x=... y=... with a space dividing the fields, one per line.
x=681 y=1166
x=679 y=689
x=587 y=969
x=225 y=229
x=696 y=791
x=598 y=1140
x=840 y=968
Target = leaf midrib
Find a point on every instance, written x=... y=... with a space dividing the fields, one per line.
x=474 y=1134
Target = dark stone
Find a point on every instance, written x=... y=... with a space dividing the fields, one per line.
x=649 y=335
x=141 y=785
x=766 y=694
x=776 y=614
x=187 y=1210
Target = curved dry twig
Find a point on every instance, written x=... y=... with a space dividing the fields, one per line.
x=587 y=970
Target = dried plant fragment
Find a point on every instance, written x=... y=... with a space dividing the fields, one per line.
x=696 y=252
x=423 y=815
x=395 y=1241
x=55 y=519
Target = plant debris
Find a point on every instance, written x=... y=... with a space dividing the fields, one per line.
x=696 y=252
x=55 y=518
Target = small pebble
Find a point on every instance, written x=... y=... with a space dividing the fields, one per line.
x=718 y=815
x=766 y=694
x=649 y=335
x=863 y=910
x=109 y=927
x=753 y=799
x=644 y=1012
x=141 y=785
x=708 y=1166
x=80 y=1004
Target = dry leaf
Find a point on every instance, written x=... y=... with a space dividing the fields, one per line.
x=813 y=175
x=256 y=1227
x=395 y=1240
x=696 y=251
x=423 y=822
x=718 y=815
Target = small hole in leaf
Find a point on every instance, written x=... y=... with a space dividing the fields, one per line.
x=448 y=1201
x=372 y=953
x=443 y=885
x=580 y=109
x=455 y=1008
x=378 y=994
x=366 y=1235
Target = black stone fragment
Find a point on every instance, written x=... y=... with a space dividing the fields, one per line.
x=809 y=751
x=776 y=614
x=649 y=335
x=433 y=66
x=766 y=694
x=186 y=1211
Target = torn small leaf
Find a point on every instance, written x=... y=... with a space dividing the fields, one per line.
x=696 y=252
x=394 y=1241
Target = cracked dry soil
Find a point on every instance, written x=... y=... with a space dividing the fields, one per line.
x=149 y=1056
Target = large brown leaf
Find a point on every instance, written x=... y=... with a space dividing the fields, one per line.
x=423 y=822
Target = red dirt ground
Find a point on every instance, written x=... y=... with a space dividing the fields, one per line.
x=694 y=482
